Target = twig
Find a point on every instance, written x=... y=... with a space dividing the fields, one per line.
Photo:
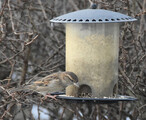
x=61 y=117
x=8 y=93
x=13 y=55
x=120 y=110
x=28 y=43
x=141 y=107
x=11 y=73
x=25 y=61
x=98 y=111
x=44 y=13
x=38 y=112
x=56 y=52
x=11 y=17
x=125 y=76
x=2 y=10
x=7 y=111
x=73 y=4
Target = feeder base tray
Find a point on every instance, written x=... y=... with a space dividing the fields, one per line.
x=106 y=100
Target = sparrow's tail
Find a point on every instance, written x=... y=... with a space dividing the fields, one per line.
x=21 y=88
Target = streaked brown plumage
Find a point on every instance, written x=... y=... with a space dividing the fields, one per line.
x=56 y=82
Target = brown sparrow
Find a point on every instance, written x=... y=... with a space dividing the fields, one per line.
x=84 y=91
x=56 y=82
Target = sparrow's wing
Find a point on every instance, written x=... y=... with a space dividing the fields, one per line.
x=45 y=87
x=34 y=85
x=22 y=88
x=46 y=80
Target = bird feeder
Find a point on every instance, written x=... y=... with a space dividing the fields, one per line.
x=92 y=47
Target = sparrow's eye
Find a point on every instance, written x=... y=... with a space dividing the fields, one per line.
x=45 y=84
x=71 y=80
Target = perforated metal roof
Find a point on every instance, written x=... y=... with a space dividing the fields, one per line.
x=93 y=16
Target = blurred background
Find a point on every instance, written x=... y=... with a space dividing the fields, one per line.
x=30 y=48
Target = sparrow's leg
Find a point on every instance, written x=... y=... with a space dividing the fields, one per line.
x=49 y=96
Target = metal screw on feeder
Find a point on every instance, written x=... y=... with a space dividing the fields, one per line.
x=92 y=46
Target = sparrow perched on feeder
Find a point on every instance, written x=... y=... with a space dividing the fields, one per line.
x=84 y=91
x=56 y=82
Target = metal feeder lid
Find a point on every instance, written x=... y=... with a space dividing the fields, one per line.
x=93 y=16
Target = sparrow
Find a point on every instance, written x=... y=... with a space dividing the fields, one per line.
x=56 y=82
x=84 y=91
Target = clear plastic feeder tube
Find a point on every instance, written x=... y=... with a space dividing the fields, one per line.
x=92 y=53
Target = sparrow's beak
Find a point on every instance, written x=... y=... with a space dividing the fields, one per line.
x=76 y=84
